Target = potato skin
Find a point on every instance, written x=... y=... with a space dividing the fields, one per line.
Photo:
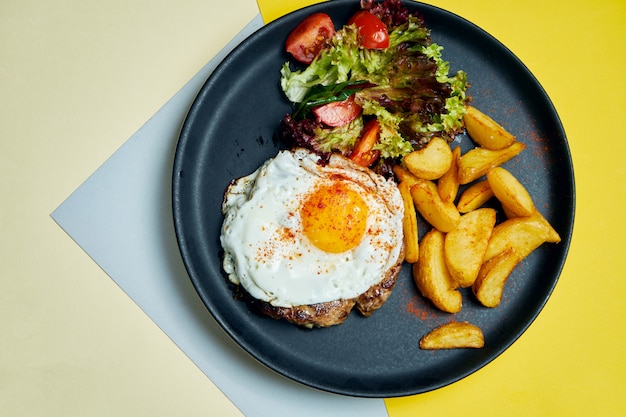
x=478 y=161
x=474 y=196
x=453 y=335
x=465 y=246
x=448 y=184
x=489 y=285
x=485 y=131
x=510 y=192
x=431 y=274
x=409 y=224
x=430 y=162
x=441 y=215
x=524 y=234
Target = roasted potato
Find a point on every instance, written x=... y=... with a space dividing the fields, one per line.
x=465 y=246
x=409 y=224
x=403 y=175
x=448 y=184
x=553 y=235
x=443 y=216
x=430 y=162
x=474 y=196
x=486 y=132
x=431 y=275
x=514 y=197
x=508 y=214
x=478 y=161
x=453 y=335
x=524 y=234
x=493 y=274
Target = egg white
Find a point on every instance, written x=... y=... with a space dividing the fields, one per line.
x=266 y=251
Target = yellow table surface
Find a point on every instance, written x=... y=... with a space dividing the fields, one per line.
x=78 y=78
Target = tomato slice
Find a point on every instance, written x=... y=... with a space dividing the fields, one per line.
x=363 y=152
x=308 y=38
x=372 y=31
x=338 y=113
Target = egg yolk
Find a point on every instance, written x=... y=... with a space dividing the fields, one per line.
x=334 y=217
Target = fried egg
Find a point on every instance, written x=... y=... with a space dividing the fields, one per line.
x=297 y=232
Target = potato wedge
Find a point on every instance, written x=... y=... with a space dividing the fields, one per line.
x=474 y=196
x=465 y=246
x=476 y=162
x=508 y=213
x=486 y=132
x=524 y=234
x=431 y=274
x=514 y=197
x=403 y=175
x=430 y=162
x=409 y=224
x=553 y=235
x=443 y=216
x=448 y=184
x=489 y=284
x=453 y=335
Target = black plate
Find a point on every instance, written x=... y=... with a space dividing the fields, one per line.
x=231 y=130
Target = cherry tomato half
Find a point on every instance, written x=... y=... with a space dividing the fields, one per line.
x=363 y=154
x=338 y=113
x=309 y=37
x=372 y=30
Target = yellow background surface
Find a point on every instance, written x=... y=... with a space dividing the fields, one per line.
x=78 y=78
